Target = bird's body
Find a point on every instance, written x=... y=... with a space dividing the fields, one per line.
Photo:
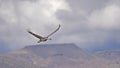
x=43 y=39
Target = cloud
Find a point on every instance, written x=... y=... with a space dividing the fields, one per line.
x=16 y=16
x=106 y=18
x=86 y=22
x=90 y=23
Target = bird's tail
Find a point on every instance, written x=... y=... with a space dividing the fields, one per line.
x=39 y=41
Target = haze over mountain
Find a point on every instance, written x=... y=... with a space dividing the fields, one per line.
x=55 y=56
x=110 y=54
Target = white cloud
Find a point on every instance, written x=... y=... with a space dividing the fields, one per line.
x=17 y=16
x=106 y=18
x=97 y=25
x=81 y=23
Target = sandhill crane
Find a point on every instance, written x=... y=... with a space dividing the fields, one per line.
x=43 y=39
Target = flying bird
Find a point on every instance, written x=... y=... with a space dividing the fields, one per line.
x=43 y=39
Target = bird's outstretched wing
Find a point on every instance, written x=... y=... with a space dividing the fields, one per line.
x=37 y=36
x=54 y=31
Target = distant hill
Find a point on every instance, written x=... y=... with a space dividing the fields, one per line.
x=54 y=56
x=111 y=54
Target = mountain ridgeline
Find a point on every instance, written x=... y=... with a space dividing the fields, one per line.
x=56 y=56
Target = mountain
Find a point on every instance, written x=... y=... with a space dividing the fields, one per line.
x=57 y=50
x=45 y=56
x=54 y=56
x=113 y=55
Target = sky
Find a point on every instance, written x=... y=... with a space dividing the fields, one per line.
x=91 y=24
